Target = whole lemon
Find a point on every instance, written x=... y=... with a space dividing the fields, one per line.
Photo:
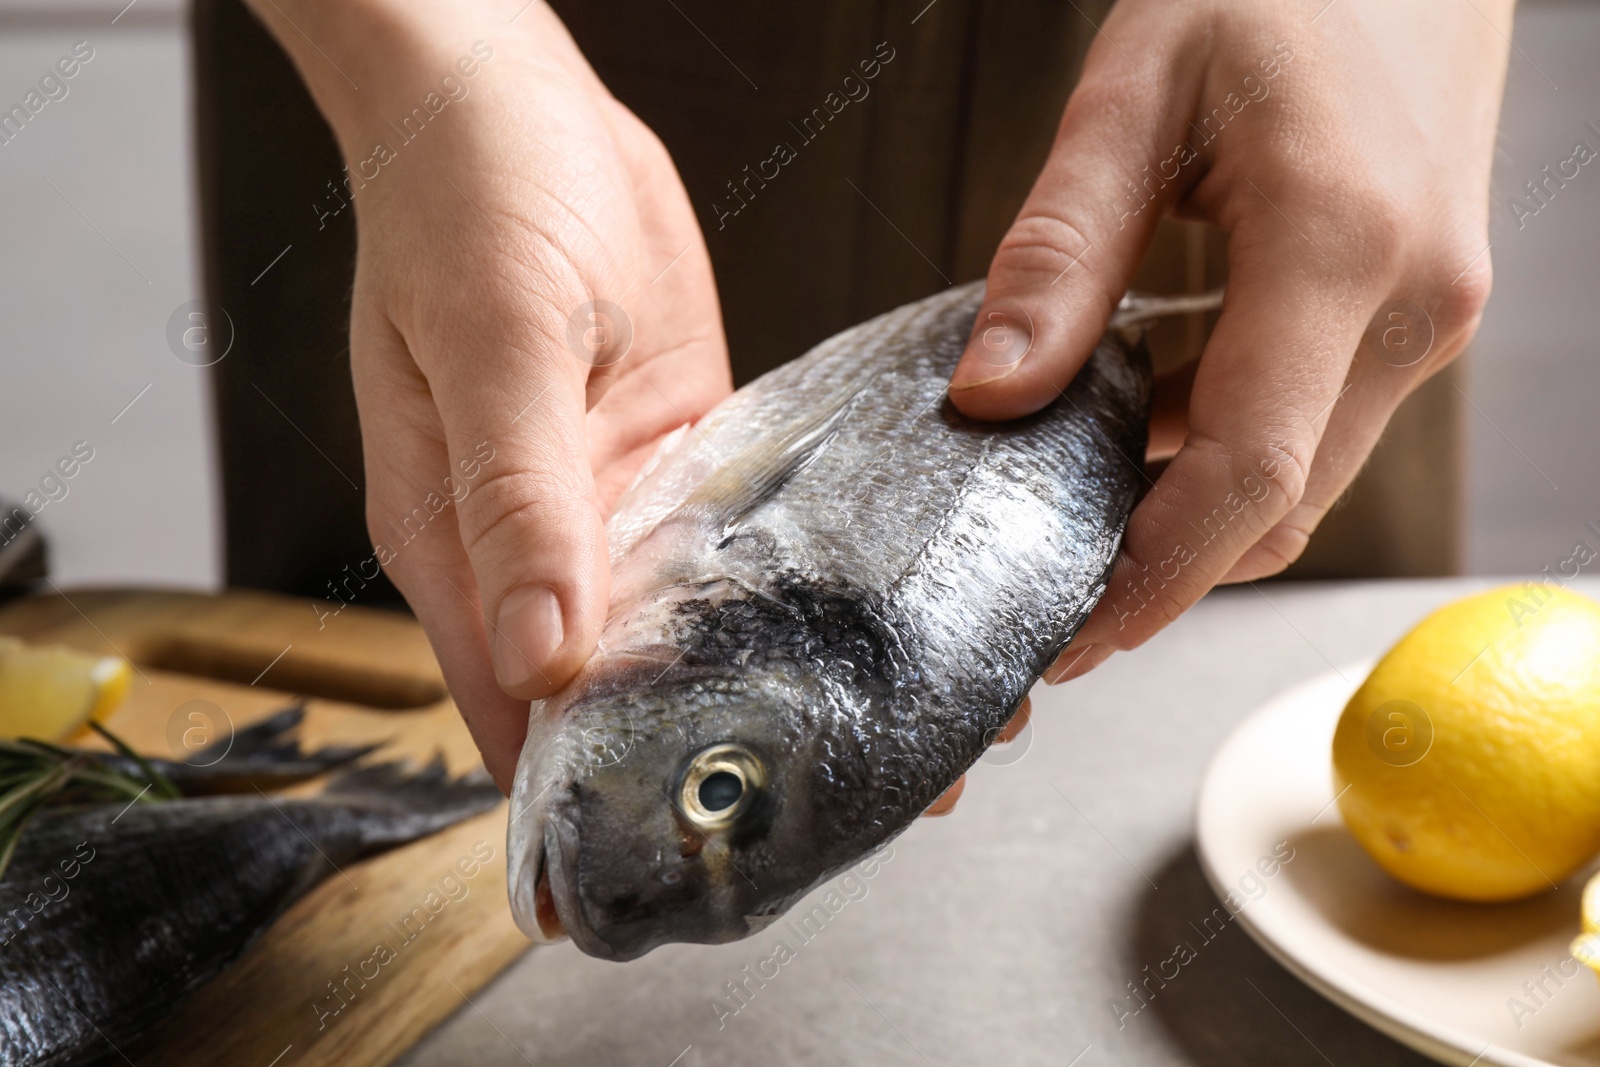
x=1468 y=763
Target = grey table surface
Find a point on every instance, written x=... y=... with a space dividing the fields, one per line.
x=1005 y=933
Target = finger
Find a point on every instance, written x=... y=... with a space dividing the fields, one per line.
x=947 y=800
x=1356 y=422
x=510 y=393
x=1019 y=722
x=497 y=317
x=532 y=529
x=1069 y=256
x=1076 y=660
x=1169 y=412
x=1012 y=729
x=406 y=462
x=1379 y=382
x=1263 y=393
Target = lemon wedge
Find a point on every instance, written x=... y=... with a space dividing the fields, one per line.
x=1466 y=762
x=51 y=692
x=1591 y=906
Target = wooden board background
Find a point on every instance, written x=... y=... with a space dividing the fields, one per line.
x=297 y=997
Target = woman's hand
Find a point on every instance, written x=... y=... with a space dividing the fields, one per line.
x=485 y=371
x=1347 y=154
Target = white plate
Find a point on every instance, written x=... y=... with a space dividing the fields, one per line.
x=1442 y=977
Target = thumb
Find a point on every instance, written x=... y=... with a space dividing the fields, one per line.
x=1069 y=256
x=532 y=527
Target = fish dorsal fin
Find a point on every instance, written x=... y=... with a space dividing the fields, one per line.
x=745 y=480
x=1135 y=309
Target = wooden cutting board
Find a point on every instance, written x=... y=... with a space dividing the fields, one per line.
x=315 y=989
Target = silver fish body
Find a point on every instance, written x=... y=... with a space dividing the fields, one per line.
x=827 y=599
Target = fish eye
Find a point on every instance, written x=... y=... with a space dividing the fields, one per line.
x=720 y=790
x=720 y=784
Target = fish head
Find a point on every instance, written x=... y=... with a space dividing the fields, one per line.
x=682 y=808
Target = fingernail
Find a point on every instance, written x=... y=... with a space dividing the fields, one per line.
x=1075 y=662
x=1000 y=338
x=527 y=636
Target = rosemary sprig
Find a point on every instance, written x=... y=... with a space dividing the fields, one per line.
x=160 y=784
x=34 y=774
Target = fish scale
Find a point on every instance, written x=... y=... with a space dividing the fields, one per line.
x=875 y=579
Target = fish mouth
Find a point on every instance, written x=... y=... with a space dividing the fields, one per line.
x=545 y=913
x=532 y=904
x=531 y=844
x=541 y=913
x=558 y=904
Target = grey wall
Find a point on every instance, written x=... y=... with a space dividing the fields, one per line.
x=1533 y=449
x=98 y=239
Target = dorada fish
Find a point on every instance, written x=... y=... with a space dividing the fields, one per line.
x=828 y=598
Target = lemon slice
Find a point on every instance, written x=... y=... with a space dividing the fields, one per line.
x=1586 y=948
x=1591 y=906
x=51 y=691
